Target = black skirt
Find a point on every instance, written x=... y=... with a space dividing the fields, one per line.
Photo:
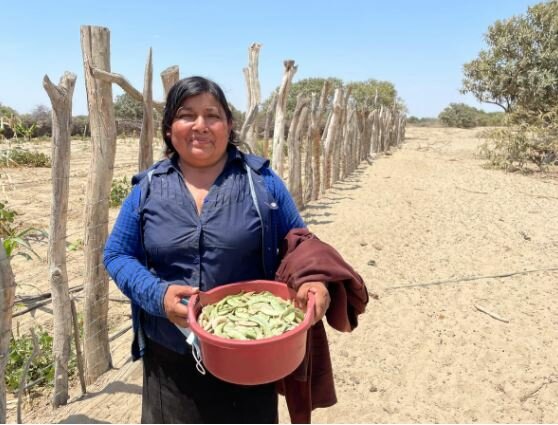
x=175 y=392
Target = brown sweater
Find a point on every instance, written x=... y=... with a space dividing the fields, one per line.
x=305 y=259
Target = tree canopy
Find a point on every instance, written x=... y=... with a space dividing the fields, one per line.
x=363 y=93
x=464 y=116
x=520 y=66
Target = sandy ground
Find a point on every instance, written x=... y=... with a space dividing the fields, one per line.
x=427 y=227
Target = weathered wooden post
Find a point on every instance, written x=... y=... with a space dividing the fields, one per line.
x=170 y=76
x=337 y=146
x=307 y=161
x=267 y=124
x=145 y=158
x=316 y=118
x=294 y=146
x=95 y=44
x=280 y=109
x=61 y=99
x=331 y=138
x=7 y=296
x=348 y=145
x=253 y=87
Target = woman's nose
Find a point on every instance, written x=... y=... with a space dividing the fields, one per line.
x=199 y=123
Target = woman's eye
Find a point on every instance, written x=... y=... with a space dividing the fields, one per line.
x=187 y=117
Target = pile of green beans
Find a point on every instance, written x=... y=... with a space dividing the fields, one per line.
x=250 y=315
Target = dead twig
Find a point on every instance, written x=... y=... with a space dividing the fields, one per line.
x=470 y=278
x=552 y=379
x=471 y=191
x=491 y=314
x=539 y=196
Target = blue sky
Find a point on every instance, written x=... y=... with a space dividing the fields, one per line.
x=420 y=46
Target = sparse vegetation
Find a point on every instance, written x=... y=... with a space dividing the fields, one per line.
x=19 y=157
x=464 y=116
x=525 y=141
x=13 y=238
x=119 y=190
x=41 y=369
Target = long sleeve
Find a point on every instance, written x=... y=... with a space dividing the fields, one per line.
x=289 y=217
x=124 y=259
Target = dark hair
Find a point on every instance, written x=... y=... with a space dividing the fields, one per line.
x=183 y=89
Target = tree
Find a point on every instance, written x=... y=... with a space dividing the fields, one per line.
x=306 y=86
x=125 y=107
x=372 y=93
x=464 y=116
x=520 y=65
x=129 y=115
x=459 y=115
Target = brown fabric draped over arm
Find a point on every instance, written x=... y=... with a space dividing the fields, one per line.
x=305 y=258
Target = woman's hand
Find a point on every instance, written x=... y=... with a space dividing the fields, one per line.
x=177 y=312
x=321 y=298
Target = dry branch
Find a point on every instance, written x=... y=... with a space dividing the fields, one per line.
x=470 y=278
x=491 y=314
x=111 y=77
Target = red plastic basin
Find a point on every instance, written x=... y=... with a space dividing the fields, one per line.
x=256 y=361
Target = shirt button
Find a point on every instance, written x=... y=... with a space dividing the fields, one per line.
x=273 y=205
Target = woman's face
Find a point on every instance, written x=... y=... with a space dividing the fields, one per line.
x=200 y=131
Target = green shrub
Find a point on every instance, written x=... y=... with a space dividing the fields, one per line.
x=22 y=158
x=528 y=139
x=7 y=218
x=464 y=116
x=119 y=190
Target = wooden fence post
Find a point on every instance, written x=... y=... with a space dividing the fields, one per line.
x=267 y=125
x=294 y=146
x=145 y=159
x=316 y=119
x=253 y=86
x=169 y=76
x=331 y=138
x=95 y=44
x=7 y=296
x=280 y=109
x=61 y=100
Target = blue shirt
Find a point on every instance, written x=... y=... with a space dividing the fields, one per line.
x=160 y=239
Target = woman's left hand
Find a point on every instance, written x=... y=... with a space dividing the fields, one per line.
x=321 y=298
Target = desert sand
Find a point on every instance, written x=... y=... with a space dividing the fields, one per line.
x=430 y=230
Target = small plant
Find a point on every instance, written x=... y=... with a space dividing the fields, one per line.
x=13 y=238
x=76 y=245
x=7 y=218
x=42 y=367
x=22 y=158
x=25 y=130
x=119 y=190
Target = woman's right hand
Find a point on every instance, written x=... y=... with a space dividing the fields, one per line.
x=177 y=312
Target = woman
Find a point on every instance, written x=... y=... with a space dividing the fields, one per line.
x=207 y=215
